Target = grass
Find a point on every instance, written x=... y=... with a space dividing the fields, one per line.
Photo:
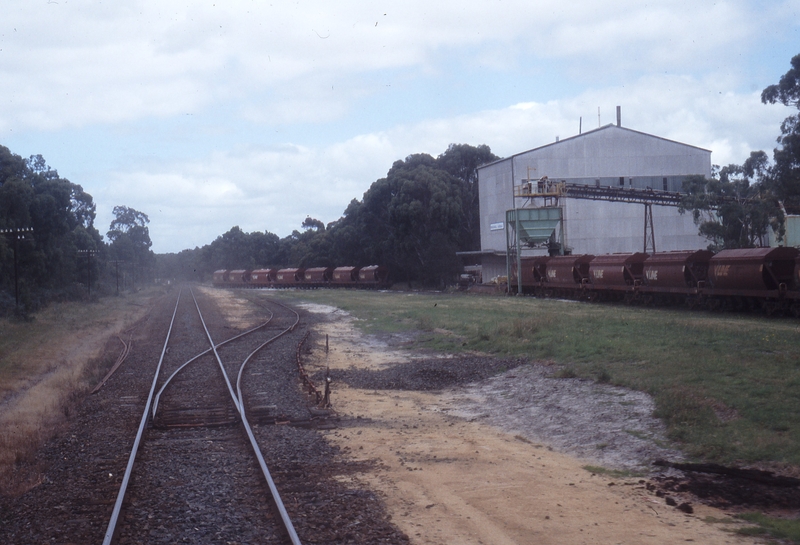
x=46 y=365
x=614 y=473
x=784 y=529
x=726 y=385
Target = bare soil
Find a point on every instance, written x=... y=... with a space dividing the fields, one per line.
x=504 y=459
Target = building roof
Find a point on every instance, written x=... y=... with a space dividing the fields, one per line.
x=610 y=126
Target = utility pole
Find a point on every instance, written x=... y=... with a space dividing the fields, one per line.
x=116 y=271
x=88 y=254
x=16 y=234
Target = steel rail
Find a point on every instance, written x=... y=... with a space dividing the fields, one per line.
x=287 y=522
x=216 y=355
x=238 y=402
x=126 y=348
x=198 y=356
x=112 y=523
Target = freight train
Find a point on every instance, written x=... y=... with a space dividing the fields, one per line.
x=371 y=277
x=741 y=279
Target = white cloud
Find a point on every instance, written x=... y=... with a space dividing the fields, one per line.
x=245 y=70
x=78 y=63
x=275 y=188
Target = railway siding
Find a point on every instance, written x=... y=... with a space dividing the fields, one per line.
x=82 y=468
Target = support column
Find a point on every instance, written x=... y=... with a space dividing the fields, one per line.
x=649 y=232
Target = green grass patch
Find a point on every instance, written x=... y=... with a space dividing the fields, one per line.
x=615 y=473
x=786 y=529
x=727 y=385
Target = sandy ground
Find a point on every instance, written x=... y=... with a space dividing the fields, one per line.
x=486 y=464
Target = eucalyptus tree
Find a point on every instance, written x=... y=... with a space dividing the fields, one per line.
x=61 y=216
x=129 y=241
x=462 y=161
x=734 y=209
x=784 y=175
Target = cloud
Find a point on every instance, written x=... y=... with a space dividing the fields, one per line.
x=273 y=188
x=80 y=63
x=296 y=108
x=191 y=203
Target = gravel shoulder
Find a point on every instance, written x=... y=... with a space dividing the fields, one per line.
x=462 y=453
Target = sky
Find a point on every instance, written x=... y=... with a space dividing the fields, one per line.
x=206 y=115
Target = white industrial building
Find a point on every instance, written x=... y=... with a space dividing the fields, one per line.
x=611 y=160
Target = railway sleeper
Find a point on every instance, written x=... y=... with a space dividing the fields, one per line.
x=196 y=418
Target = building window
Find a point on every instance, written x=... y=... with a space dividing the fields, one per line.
x=666 y=187
x=622 y=180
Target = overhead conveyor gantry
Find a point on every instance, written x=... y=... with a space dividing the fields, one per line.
x=532 y=224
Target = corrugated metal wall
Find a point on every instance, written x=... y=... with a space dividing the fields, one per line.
x=601 y=156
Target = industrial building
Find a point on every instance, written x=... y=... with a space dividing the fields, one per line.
x=607 y=190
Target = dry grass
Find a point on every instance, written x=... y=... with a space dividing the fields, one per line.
x=46 y=367
x=31 y=418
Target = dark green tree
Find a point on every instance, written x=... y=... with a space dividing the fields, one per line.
x=462 y=161
x=414 y=220
x=350 y=242
x=130 y=242
x=231 y=250
x=61 y=214
x=311 y=223
x=265 y=248
x=234 y=249
x=733 y=209
x=402 y=214
x=784 y=176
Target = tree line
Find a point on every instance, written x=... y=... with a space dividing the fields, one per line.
x=50 y=249
x=414 y=221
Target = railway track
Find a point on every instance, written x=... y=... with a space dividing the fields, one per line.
x=195 y=478
x=198 y=474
